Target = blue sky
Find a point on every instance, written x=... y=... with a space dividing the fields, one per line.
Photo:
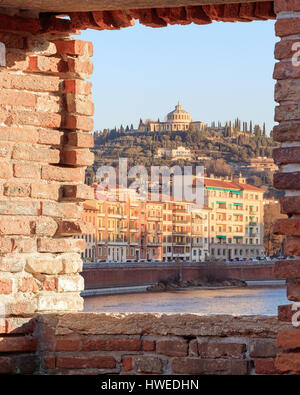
x=218 y=72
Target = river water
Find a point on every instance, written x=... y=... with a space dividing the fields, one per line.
x=252 y=300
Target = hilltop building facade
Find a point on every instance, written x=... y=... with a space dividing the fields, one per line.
x=176 y=120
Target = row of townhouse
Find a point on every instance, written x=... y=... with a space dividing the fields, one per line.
x=230 y=225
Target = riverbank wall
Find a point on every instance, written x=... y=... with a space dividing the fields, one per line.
x=108 y=276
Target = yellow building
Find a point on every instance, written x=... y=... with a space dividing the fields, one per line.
x=236 y=227
x=178 y=119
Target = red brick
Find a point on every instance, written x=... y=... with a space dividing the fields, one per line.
x=81 y=140
x=28 y=284
x=286 y=5
x=221 y=350
x=292 y=246
x=287 y=112
x=191 y=365
x=19 y=24
x=193 y=348
x=50 y=137
x=64 y=210
x=286 y=155
x=34 y=83
x=284 y=49
x=80 y=157
x=5 y=286
x=287 y=227
x=47 y=64
x=149 y=345
x=74 y=47
x=77 y=192
x=61 y=245
x=12 y=98
x=18 y=344
x=24 y=134
x=290 y=204
x=79 y=122
x=127 y=363
x=19 y=207
x=285 y=313
x=78 y=104
x=287 y=180
x=68 y=228
x=23 y=245
x=26 y=170
x=36 y=154
x=67 y=344
x=286 y=90
x=16 y=189
x=287 y=269
x=262 y=348
x=172 y=348
x=45 y=191
x=56 y=173
x=288 y=339
x=287 y=27
x=78 y=87
x=288 y=362
x=24 y=309
x=75 y=362
x=32 y=118
x=14 y=226
x=112 y=344
x=265 y=366
x=49 y=283
x=5 y=245
x=79 y=66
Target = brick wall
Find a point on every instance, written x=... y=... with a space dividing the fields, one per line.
x=45 y=109
x=99 y=343
x=287 y=114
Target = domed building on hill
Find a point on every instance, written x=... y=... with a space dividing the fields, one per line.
x=178 y=119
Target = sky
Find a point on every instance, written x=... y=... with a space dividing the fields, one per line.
x=218 y=72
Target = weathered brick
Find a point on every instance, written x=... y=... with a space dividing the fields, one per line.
x=56 y=173
x=287 y=269
x=79 y=157
x=77 y=192
x=79 y=122
x=112 y=344
x=5 y=287
x=80 y=140
x=286 y=5
x=262 y=348
x=290 y=204
x=288 y=339
x=287 y=27
x=286 y=155
x=67 y=343
x=26 y=170
x=28 y=284
x=127 y=363
x=191 y=365
x=7 y=365
x=64 y=210
x=68 y=228
x=287 y=227
x=265 y=366
x=45 y=191
x=172 y=348
x=149 y=345
x=285 y=313
x=292 y=246
x=61 y=245
x=287 y=112
x=288 y=362
x=78 y=104
x=17 y=344
x=14 y=225
x=221 y=350
x=76 y=362
x=78 y=87
x=287 y=180
x=147 y=364
x=16 y=189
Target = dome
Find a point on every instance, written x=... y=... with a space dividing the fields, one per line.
x=179 y=115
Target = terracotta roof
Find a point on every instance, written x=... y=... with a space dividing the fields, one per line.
x=209 y=182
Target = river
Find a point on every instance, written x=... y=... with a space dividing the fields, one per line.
x=252 y=300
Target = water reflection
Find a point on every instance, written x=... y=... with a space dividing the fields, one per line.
x=237 y=301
